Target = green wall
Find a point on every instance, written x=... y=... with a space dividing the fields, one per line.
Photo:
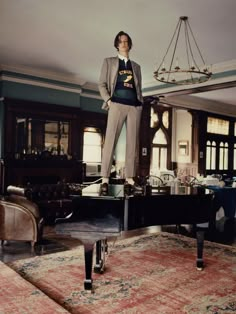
x=91 y=104
x=40 y=94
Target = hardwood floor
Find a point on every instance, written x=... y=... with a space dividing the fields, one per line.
x=225 y=233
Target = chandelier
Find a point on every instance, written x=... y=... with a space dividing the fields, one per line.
x=183 y=68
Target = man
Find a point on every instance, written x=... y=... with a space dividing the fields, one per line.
x=120 y=86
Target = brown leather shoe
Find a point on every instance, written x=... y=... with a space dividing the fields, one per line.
x=104 y=189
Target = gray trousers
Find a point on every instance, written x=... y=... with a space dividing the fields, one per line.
x=119 y=114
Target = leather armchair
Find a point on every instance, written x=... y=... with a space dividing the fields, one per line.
x=20 y=220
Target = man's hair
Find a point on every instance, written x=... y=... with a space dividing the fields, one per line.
x=117 y=40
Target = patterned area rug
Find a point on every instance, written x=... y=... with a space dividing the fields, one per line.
x=144 y=274
x=17 y=296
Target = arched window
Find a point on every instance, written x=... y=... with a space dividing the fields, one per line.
x=223 y=160
x=211 y=155
x=159 y=152
x=160 y=138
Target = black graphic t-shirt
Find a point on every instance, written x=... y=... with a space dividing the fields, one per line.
x=125 y=92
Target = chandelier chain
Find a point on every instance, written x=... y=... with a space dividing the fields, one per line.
x=196 y=43
x=179 y=27
x=169 y=46
x=188 y=48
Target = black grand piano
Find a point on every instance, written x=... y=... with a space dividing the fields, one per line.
x=96 y=218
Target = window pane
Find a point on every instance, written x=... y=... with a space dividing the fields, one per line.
x=208 y=158
x=226 y=159
x=92 y=150
x=159 y=137
x=213 y=160
x=92 y=154
x=217 y=126
x=223 y=161
x=154 y=119
x=234 y=156
x=165 y=119
x=155 y=160
x=163 y=158
x=92 y=138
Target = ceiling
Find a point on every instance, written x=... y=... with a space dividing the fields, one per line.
x=71 y=37
x=227 y=96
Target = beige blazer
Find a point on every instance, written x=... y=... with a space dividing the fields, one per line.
x=108 y=77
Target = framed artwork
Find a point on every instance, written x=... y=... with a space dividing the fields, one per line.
x=183 y=148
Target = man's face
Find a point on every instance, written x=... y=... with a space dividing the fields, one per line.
x=123 y=44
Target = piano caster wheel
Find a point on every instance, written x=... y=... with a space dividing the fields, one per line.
x=88 y=284
x=200 y=264
x=99 y=268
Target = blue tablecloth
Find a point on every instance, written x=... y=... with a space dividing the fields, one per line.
x=224 y=197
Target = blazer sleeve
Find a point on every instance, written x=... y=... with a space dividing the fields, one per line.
x=103 y=84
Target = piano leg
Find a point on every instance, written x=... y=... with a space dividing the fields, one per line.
x=101 y=250
x=98 y=267
x=105 y=246
x=200 y=244
x=88 y=254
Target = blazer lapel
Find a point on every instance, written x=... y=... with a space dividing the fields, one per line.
x=135 y=73
x=114 y=72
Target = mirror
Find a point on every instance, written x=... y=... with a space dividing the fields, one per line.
x=34 y=136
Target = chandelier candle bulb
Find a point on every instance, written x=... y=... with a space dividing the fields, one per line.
x=163 y=67
x=177 y=64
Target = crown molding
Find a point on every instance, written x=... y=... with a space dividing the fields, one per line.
x=26 y=81
x=224 y=66
x=45 y=74
x=90 y=86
